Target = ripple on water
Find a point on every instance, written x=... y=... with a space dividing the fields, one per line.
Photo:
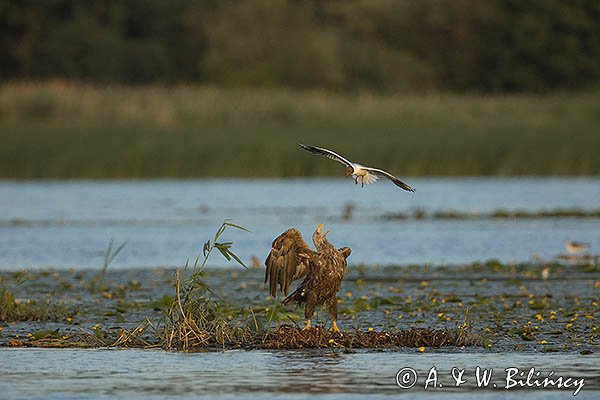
x=48 y=373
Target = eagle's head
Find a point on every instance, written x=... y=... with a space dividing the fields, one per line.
x=349 y=171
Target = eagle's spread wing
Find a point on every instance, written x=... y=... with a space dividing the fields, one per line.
x=391 y=177
x=326 y=153
x=288 y=260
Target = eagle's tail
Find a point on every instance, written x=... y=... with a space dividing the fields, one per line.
x=298 y=296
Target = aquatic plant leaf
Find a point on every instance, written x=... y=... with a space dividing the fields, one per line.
x=236 y=258
x=220 y=231
x=101 y=336
x=224 y=252
x=44 y=333
x=109 y=255
x=107 y=251
x=206 y=248
x=235 y=226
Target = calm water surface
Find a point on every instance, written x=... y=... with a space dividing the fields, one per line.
x=86 y=374
x=69 y=224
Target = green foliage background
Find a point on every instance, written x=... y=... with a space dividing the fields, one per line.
x=187 y=88
x=375 y=45
x=73 y=130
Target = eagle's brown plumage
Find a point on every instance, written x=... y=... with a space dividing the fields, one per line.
x=291 y=259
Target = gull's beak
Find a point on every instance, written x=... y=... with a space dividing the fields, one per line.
x=320 y=228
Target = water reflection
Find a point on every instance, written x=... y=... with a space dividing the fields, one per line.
x=38 y=373
x=319 y=371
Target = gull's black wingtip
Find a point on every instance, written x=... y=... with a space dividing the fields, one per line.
x=306 y=147
x=403 y=185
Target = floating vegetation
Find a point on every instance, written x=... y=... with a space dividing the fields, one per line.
x=506 y=307
x=292 y=337
x=54 y=339
x=419 y=214
x=286 y=337
x=12 y=309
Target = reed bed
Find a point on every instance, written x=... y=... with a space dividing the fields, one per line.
x=64 y=129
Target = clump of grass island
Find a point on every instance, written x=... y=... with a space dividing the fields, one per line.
x=195 y=319
x=292 y=337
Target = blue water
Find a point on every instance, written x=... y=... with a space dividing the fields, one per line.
x=66 y=224
x=137 y=374
x=69 y=224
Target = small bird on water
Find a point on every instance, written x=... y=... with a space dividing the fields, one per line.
x=576 y=247
x=360 y=173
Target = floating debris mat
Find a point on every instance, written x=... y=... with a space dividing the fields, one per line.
x=292 y=337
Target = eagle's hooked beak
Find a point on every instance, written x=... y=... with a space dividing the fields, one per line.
x=320 y=228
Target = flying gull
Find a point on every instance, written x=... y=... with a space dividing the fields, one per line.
x=360 y=173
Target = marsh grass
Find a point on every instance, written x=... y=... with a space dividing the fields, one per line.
x=96 y=283
x=61 y=129
x=196 y=318
x=7 y=304
x=44 y=309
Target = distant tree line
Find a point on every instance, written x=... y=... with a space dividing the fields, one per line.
x=379 y=45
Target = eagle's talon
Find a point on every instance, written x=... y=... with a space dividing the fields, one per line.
x=334 y=328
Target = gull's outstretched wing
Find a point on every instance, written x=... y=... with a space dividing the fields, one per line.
x=288 y=260
x=326 y=153
x=391 y=177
